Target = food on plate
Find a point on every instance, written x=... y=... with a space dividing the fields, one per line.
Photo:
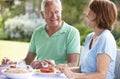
x=37 y=70
x=47 y=70
x=47 y=67
x=13 y=66
x=16 y=71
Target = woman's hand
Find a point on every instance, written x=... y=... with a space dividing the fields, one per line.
x=65 y=69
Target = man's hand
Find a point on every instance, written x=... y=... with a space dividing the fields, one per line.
x=50 y=63
x=6 y=61
x=36 y=64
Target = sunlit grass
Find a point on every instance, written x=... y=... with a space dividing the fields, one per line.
x=13 y=50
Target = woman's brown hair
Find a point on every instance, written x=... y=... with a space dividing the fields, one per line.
x=106 y=13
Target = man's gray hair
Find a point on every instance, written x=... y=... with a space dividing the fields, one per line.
x=46 y=1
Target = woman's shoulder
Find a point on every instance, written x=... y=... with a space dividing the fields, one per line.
x=107 y=35
x=106 y=39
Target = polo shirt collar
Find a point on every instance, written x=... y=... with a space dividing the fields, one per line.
x=62 y=30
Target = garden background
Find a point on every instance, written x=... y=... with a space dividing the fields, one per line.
x=19 y=18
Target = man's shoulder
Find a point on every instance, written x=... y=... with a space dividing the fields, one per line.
x=40 y=28
x=69 y=27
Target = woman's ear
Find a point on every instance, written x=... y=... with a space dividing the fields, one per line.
x=42 y=14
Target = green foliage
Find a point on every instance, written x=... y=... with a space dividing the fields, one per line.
x=117 y=2
x=10 y=10
x=73 y=10
x=1 y=21
x=84 y=31
x=17 y=10
x=116 y=34
x=7 y=3
x=118 y=15
x=2 y=34
x=118 y=43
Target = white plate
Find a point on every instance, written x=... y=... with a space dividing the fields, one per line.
x=17 y=75
x=48 y=74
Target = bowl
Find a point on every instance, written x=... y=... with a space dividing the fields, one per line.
x=17 y=75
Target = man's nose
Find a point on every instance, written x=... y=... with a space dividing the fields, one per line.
x=53 y=14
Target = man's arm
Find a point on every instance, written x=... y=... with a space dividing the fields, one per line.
x=72 y=59
x=30 y=57
x=75 y=69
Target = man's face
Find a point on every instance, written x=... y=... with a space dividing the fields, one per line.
x=52 y=14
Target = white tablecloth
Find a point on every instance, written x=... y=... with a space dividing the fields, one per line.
x=39 y=77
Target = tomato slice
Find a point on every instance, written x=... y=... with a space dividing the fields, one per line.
x=12 y=66
x=46 y=70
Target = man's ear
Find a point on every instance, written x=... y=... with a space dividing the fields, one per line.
x=42 y=14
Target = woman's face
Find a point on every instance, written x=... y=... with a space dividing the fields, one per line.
x=91 y=19
x=52 y=14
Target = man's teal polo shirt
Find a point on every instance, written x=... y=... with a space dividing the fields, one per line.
x=56 y=47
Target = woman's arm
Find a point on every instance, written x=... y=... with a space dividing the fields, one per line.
x=103 y=61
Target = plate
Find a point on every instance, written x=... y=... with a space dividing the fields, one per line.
x=17 y=75
x=2 y=67
x=47 y=74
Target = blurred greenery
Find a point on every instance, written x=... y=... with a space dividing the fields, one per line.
x=9 y=10
x=2 y=34
x=83 y=31
x=119 y=15
x=1 y=21
x=73 y=11
x=116 y=33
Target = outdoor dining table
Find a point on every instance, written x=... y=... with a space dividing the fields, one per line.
x=37 y=77
x=34 y=76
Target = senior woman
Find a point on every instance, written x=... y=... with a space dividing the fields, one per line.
x=100 y=46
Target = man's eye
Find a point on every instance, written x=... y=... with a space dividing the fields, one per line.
x=56 y=11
